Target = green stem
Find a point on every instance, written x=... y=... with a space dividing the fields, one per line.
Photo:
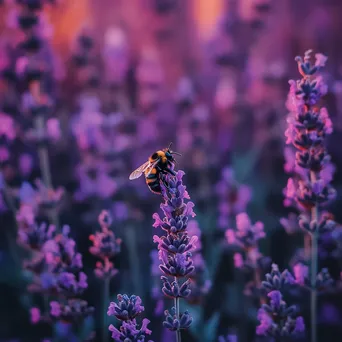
x=307 y=247
x=42 y=152
x=46 y=304
x=178 y=332
x=314 y=269
x=239 y=276
x=44 y=165
x=105 y=306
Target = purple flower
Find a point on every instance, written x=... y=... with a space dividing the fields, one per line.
x=238 y=260
x=105 y=246
x=176 y=247
x=105 y=220
x=127 y=307
x=25 y=164
x=276 y=280
x=247 y=235
x=301 y=273
x=278 y=320
x=35 y=236
x=70 y=311
x=61 y=254
x=174 y=323
x=53 y=129
x=265 y=322
x=324 y=280
x=320 y=60
x=129 y=331
x=7 y=128
x=55 y=309
x=69 y=285
x=105 y=269
x=35 y=315
x=308 y=126
x=290 y=224
x=275 y=299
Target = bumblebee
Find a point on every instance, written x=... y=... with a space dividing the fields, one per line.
x=160 y=162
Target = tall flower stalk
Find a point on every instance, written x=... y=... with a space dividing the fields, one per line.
x=105 y=246
x=308 y=126
x=277 y=320
x=35 y=68
x=68 y=283
x=175 y=249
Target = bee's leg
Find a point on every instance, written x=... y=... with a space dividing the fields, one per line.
x=162 y=178
x=165 y=183
x=170 y=171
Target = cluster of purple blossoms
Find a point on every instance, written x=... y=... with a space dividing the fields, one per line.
x=175 y=248
x=277 y=320
x=60 y=277
x=200 y=284
x=127 y=309
x=105 y=246
x=308 y=126
x=69 y=280
x=246 y=238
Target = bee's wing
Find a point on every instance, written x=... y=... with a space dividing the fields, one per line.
x=141 y=169
x=151 y=167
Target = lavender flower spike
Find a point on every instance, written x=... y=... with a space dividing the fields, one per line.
x=127 y=309
x=308 y=127
x=175 y=248
x=105 y=247
x=277 y=320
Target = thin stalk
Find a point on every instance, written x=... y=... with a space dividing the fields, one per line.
x=106 y=283
x=178 y=332
x=44 y=164
x=42 y=152
x=307 y=247
x=46 y=304
x=314 y=269
x=239 y=276
x=257 y=280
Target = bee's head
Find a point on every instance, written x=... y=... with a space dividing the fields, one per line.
x=169 y=154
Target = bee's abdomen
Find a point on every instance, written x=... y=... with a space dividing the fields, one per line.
x=152 y=181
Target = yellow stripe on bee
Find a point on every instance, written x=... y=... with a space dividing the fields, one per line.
x=150 y=180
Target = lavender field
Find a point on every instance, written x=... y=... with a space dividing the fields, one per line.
x=170 y=170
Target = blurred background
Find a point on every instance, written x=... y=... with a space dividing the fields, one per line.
x=126 y=78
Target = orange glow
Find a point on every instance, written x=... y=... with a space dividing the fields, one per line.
x=206 y=13
x=67 y=19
